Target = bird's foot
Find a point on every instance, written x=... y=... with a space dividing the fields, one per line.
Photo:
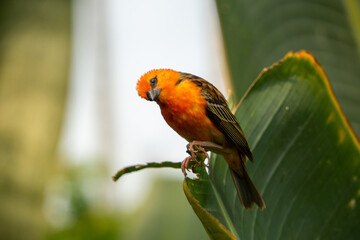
x=193 y=149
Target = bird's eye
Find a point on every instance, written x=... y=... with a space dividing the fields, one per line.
x=153 y=82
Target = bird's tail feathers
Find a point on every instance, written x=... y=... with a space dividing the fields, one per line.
x=246 y=189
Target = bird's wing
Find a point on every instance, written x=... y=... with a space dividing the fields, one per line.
x=219 y=113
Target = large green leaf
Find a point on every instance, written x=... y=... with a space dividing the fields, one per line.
x=307 y=162
x=258 y=33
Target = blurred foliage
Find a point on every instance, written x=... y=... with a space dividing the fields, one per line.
x=164 y=214
x=40 y=198
x=76 y=205
x=258 y=33
x=34 y=63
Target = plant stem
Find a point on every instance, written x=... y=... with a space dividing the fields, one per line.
x=142 y=166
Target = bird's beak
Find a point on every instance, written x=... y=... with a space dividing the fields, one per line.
x=153 y=94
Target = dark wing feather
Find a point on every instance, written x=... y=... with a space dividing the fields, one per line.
x=223 y=118
x=219 y=113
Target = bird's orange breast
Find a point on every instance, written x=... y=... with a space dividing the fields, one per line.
x=184 y=109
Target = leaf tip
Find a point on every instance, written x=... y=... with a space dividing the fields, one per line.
x=305 y=55
x=302 y=54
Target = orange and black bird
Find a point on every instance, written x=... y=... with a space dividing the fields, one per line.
x=198 y=112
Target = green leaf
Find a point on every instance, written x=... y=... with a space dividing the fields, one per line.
x=257 y=34
x=307 y=162
x=203 y=190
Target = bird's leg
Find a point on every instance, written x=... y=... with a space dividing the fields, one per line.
x=194 y=148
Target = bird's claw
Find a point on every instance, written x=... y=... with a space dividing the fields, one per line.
x=193 y=150
x=185 y=164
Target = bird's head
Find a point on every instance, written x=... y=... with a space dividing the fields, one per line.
x=152 y=83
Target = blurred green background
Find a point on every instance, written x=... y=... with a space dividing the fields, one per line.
x=42 y=196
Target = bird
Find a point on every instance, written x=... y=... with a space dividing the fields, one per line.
x=199 y=113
